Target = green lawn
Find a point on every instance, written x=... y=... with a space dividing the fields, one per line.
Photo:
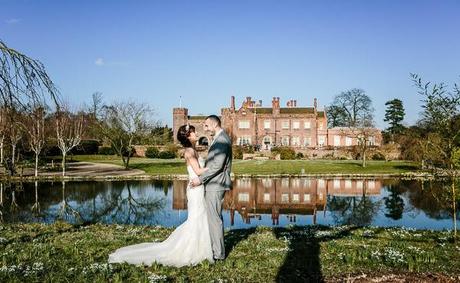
x=64 y=253
x=268 y=167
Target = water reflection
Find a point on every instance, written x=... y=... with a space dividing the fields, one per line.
x=252 y=202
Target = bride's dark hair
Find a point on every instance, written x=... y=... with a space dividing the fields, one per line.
x=183 y=133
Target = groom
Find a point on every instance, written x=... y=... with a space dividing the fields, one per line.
x=216 y=181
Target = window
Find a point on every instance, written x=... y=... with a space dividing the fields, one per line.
x=306 y=198
x=371 y=140
x=371 y=184
x=336 y=184
x=307 y=142
x=296 y=125
x=266 y=197
x=243 y=197
x=243 y=124
x=285 y=141
x=348 y=141
x=295 y=141
x=267 y=124
x=321 y=184
x=320 y=125
x=267 y=140
x=244 y=140
x=307 y=125
x=322 y=140
x=284 y=197
x=336 y=140
x=295 y=198
x=285 y=125
x=347 y=184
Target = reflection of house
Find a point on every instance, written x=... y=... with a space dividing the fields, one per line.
x=298 y=127
x=290 y=196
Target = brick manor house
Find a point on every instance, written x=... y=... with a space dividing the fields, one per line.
x=294 y=126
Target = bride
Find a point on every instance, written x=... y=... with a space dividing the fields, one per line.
x=188 y=244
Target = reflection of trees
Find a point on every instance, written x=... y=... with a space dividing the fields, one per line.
x=66 y=211
x=81 y=202
x=394 y=203
x=353 y=210
x=36 y=207
x=129 y=209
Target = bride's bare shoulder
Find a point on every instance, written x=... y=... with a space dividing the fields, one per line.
x=189 y=153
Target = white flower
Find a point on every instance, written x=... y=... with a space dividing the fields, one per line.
x=3 y=240
x=155 y=277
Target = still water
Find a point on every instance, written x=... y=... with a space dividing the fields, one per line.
x=252 y=202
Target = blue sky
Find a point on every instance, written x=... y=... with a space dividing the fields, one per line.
x=206 y=51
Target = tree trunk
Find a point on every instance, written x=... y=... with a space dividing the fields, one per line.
x=63 y=164
x=1 y=151
x=127 y=162
x=13 y=153
x=364 y=157
x=454 y=207
x=36 y=164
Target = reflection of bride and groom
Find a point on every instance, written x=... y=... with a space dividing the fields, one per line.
x=201 y=236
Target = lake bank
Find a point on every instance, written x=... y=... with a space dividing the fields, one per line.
x=62 y=252
x=99 y=167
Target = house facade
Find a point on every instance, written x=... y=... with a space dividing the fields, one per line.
x=292 y=125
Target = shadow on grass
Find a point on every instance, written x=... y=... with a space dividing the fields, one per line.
x=302 y=263
x=233 y=237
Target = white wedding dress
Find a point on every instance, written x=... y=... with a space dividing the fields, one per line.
x=188 y=244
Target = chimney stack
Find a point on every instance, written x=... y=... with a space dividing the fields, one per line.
x=315 y=104
x=232 y=103
x=295 y=103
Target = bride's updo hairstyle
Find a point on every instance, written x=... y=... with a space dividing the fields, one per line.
x=183 y=133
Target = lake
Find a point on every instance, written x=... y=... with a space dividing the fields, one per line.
x=253 y=202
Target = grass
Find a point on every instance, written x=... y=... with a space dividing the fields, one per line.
x=64 y=253
x=265 y=167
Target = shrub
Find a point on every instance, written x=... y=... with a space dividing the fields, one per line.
x=167 y=154
x=86 y=147
x=378 y=156
x=237 y=152
x=299 y=155
x=286 y=153
x=152 y=152
x=106 y=150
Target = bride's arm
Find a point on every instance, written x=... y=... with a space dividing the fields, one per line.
x=192 y=161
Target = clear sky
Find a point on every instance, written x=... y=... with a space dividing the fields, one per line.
x=206 y=51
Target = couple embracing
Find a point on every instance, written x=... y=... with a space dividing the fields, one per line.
x=201 y=236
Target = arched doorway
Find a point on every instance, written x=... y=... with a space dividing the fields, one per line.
x=203 y=141
x=267 y=141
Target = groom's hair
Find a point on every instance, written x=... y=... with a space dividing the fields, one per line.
x=215 y=118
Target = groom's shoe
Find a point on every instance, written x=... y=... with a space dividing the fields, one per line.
x=217 y=259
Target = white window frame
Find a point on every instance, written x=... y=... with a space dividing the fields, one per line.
x=296 y=125
x=285 y=140
x=336 y=140
x=307 y=125
x=285 y=125
x=244 y=124
x=267 y=124
x=307 y=141
x=295 y=141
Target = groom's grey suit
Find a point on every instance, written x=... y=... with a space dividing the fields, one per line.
x=216 y=181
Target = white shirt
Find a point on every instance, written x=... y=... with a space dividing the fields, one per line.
x=215 y=136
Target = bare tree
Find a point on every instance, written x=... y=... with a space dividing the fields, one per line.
x=357 y=119
x=69 y=131
x=23 y=82
x=34 y=126
x=122 y=123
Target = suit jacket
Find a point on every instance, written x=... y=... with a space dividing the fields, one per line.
x=219 y=162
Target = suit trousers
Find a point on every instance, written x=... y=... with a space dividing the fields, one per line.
x=214 y=201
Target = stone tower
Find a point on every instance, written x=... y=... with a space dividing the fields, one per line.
x=180 y=117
